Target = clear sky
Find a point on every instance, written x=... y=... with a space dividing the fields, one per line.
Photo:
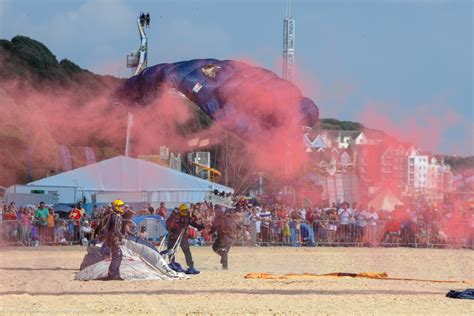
x=410 y=61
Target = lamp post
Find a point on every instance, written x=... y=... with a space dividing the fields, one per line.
x=260 y=182
x=128 y=137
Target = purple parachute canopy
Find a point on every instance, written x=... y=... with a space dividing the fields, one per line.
x=214 y=84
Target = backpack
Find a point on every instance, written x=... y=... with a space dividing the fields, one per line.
x=102 y=228
x=217 y=222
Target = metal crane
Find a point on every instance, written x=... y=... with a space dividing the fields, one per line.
x=138 y=60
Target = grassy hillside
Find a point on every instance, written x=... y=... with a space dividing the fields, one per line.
x=29 y=74
x=334 y=124
x=28 y=69
x=25 y=59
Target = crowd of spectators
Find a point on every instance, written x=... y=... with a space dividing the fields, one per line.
x=343 y=224
x=347 y=224
x=354 y=224
x=265 y=225
x=41 y=224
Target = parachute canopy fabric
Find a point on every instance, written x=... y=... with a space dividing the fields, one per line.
x=221 y=88
x=139 y=262
x=365 y=275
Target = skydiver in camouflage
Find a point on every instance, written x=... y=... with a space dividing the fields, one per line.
x=227 y=226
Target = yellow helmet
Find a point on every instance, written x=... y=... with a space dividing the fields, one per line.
x=183 y=209
x=118 y=205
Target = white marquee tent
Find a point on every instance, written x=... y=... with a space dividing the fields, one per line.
x=130 y=179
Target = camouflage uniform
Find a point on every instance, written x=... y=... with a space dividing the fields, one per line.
x=111 y=225
x=227 y=229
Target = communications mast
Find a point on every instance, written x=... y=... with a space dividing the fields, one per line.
x=137 y=61
x=289 y=45
x=289 y=74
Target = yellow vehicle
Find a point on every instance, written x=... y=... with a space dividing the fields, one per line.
x=213 y=173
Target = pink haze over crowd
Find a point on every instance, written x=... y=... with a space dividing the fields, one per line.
x=47 y=117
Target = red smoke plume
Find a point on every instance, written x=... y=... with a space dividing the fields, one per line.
x=44 y=118
x=423 y=126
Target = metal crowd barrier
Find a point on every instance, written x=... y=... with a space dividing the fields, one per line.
x=64 y=232
x=368 y=234
x=272 y=233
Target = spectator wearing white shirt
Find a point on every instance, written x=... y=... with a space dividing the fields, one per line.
x=303 y=212
x=372 y=218
x=266 y=217
x=361 y=225
x=352 y=221
x=344 y=220
x=255 y=231
x=86 y=231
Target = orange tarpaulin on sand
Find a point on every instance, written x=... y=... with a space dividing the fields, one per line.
x=367 y=275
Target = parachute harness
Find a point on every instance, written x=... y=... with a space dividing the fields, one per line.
x=170 y=253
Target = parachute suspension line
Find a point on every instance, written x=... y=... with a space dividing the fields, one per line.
x=167 y=135
x=216 y=148
x=230 y=150
x=184 y=162
x=226 y=176
x=173 y=250
x=240 y=171
x=161 y=247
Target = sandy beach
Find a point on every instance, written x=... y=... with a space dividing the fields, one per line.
x=41 y=281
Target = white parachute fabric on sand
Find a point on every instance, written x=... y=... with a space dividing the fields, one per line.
x=139 y=262
x=154 y=259
x=93 y=255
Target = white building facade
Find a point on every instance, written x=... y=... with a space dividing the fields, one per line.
x=417 y=171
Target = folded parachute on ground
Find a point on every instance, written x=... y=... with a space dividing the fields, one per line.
x=139 y=262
